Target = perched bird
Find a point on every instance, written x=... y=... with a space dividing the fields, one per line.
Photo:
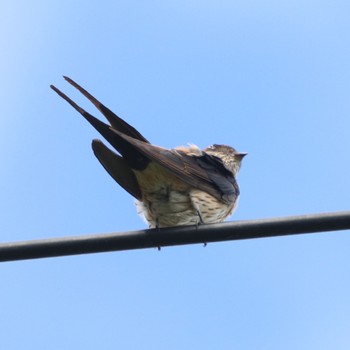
x=180 y=186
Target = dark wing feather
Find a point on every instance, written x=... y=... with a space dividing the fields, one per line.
x=117 y=168
x=223 y=179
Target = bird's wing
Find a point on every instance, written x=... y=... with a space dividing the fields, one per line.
x=204 y=172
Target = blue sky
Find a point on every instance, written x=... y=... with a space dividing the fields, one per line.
x=268 y=77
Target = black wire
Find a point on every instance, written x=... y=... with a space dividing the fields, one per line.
x=180 y=235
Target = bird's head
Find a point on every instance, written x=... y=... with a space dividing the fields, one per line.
x=230 y=157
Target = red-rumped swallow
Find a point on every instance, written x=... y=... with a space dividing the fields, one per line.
x=180 y=186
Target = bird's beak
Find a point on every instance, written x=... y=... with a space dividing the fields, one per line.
x=241 y=155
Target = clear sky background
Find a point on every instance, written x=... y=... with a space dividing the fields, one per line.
x=268 y=77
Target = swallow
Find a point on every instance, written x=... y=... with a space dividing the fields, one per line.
x=172 y=187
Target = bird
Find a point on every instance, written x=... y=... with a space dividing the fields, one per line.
x=172 y=187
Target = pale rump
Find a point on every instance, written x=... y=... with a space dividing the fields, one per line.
x=167 y=201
